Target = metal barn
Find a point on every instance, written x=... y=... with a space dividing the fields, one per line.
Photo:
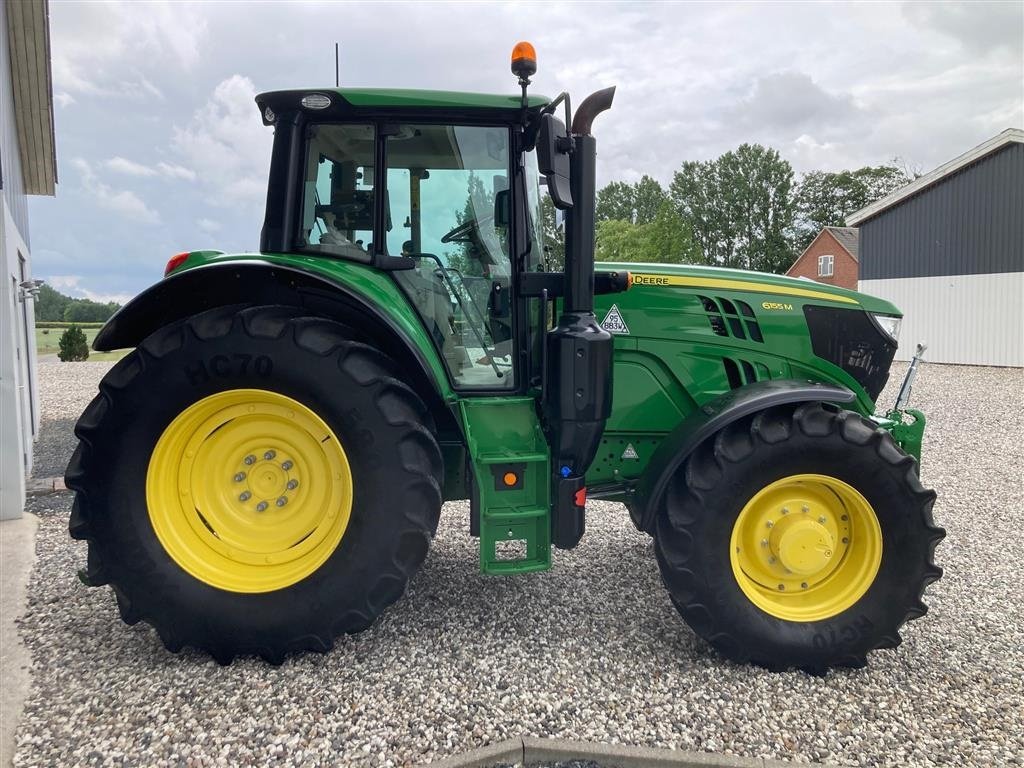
x=948 y=249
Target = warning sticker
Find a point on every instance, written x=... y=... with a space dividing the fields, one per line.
x=613 y=322
x=630 y=452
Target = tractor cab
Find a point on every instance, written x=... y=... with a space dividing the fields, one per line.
x=440 y=189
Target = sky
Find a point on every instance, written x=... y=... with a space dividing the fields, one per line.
x=160 y=148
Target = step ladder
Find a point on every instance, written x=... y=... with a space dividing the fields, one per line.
x=511 y=469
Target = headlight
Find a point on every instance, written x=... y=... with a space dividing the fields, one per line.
x=889 y=324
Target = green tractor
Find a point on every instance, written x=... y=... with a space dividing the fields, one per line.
x=265 y=471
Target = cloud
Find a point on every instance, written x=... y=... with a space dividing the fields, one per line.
x=980 y=27
x=228 y=141
x=63 y=99
x=791 y=103
x=131 y=168
x=71 y=285
x=176 y=171
x=124 y=202
x=208 y=225
x=95 y=41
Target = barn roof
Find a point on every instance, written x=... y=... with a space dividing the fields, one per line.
x=1009 y=136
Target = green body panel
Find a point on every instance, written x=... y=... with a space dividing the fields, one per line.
x=375 y=286
x=504 y=435
x=403 y=97
x=671 y=361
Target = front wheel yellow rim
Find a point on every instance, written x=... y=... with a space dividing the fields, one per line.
x=806 y=547
x=249 y=490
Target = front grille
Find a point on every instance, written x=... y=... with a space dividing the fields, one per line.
x=731 y=318
x=850 y=339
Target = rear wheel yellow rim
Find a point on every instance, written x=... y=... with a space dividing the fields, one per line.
x=249 y=490
x=806 y=547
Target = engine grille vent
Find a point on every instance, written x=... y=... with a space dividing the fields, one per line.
x=732 y=318
x=740 y=372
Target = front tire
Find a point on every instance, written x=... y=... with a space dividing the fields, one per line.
x=799 y=537
x=252 y=481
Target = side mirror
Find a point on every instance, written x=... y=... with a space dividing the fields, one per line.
x=553 y=159
x=501 y=207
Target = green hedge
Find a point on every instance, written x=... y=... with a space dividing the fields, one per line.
x=64 y=324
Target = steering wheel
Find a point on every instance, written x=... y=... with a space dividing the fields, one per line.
x=465 y=228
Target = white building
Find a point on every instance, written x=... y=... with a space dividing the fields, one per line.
x=948 y=250
x=28 y=166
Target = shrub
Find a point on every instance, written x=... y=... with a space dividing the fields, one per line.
x=46 y=331
x=72 y=345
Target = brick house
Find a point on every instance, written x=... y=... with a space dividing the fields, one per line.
x=832 y=257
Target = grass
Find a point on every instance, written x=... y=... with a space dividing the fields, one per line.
x=49 y=343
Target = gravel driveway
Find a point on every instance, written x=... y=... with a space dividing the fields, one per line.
x=591 y=650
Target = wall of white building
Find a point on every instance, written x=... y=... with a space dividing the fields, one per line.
x=19 y=399
x=968 y=319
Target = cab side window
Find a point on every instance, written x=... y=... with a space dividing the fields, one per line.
x=337 y=201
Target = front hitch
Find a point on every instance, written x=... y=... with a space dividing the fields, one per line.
x=907 y=434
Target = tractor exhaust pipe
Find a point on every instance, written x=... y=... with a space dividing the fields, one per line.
x=578 y=395
x=579 y=225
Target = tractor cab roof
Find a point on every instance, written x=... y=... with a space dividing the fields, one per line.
x=345 y=103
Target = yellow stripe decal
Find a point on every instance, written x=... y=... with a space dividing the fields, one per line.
x=737 y=285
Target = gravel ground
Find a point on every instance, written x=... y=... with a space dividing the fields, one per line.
x=591 y=650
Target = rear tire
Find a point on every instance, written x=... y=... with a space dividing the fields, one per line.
x=394 y=496
x=698 y=527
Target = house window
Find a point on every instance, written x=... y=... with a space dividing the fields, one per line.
x=825 y=265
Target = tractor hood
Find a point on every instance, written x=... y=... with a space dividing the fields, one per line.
x=718 y=278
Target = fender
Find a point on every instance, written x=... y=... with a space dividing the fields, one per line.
x=704 y=422
x=253 y=281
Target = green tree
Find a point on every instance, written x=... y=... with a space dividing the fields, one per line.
x=668 y=239
x=617 y=240
x=648 y=197
x=554 y=237
x=826 y=199
x=740 y=207
x=50 y=304
x=664 y=240
x=88 y=311
x=614 y=201
x=636 y=203
x=72 y=346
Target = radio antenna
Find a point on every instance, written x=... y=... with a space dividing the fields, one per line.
x=337 y=71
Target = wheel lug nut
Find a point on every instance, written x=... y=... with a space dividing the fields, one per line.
x=771 y=559
x=261 y=506
x=282 y=501
x=244 y=496
x=293 y=484
x=844 y=518
x=803 y=585
x=769 y=524
x=286 y=465
x=782 y=587
x=845 y=540
x=764 y=542
x=821 y=519
x=239 y=477
x=785 y=510
x=250 y=459
x=805 y=509
x=269 y=455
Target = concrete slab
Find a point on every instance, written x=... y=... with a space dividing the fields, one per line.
x=17 y=555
